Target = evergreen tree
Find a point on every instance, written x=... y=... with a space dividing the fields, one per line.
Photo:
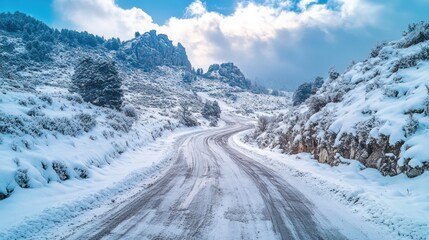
x=185 y=115
x=211 y=111
x=302 y=93
x=98 y=82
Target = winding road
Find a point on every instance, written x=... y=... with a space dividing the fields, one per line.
x=214 y=191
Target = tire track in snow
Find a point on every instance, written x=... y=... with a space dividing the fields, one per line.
x=211 y=192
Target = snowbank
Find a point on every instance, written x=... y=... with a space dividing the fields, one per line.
x=398 y=204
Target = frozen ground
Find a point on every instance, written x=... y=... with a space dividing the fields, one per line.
x=398 y=205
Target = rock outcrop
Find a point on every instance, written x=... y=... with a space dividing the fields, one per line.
x=228 y=73
x=150 y=50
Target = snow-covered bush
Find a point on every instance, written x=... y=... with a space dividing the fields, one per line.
x=46 y=98
x=63 y=125
x=376 y=51
x=317 y=83
x=426 y=103
x=113 y=44
x=316 y=103
x=38 y=50
x=35 y=111
x=333 y=74
x=130 y=111
x=416 y=33
x=18 y=125
x=262 y=125
x=74 y=98
x=119 y=122
x=86 y=121
x=81 y=172
x=185 y=115
x=61 y=170
x=97 y=80
x=21 y=178
x=211 y=111
x=411 y=126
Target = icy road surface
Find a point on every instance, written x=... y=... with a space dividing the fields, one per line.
x=215 y=191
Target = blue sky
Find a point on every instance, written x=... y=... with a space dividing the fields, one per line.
x=162 y=10
x=278 y=43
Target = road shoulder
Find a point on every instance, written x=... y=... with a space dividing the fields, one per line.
x=355 y=195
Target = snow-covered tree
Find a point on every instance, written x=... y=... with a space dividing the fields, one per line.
x=302 y=93
x=185 y=115
x=317 y=83
x=263 y=122
x=97 y=80
x=211 y=111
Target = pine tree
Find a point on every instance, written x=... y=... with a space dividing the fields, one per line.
x=98 y=82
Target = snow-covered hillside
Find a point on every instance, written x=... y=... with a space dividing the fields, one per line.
x=375 y=112
x=48 y=134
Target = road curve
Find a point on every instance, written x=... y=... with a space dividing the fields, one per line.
x=213 y=191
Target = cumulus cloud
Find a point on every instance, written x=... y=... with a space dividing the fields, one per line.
x=104 y=17
x=196 y=8
x=249 y=32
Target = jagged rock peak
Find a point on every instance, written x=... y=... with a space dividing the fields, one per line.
x=151 y=49
x=229 y=73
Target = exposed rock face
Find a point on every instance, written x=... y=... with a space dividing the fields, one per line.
x=150 y=50
x=228 y=73
x=374 y=153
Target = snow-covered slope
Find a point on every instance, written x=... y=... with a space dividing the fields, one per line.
x=237 y=100
x=48 y=134
x=375 y=112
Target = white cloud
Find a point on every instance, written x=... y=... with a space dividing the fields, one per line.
x=196 y=8
x=211 y=37
x=104 y=17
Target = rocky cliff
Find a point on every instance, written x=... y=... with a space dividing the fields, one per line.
x=150 y=50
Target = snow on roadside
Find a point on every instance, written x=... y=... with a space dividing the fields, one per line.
x=48 y=135
x=62 y=204
x=398 y=205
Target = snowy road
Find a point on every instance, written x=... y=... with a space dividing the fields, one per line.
x=214 y=191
